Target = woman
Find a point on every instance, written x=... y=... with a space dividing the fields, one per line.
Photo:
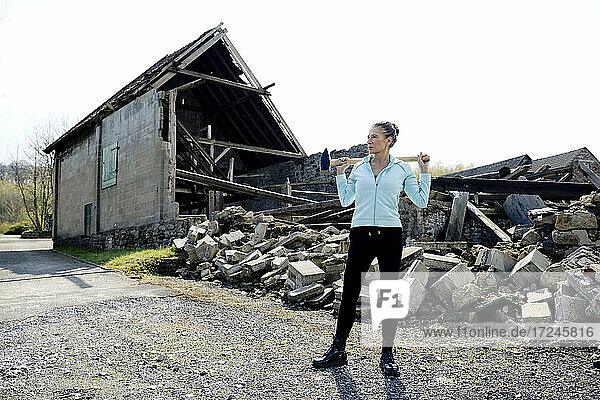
x=376 y=231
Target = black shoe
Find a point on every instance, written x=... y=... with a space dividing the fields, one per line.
x=336 y=355
x=387 y=364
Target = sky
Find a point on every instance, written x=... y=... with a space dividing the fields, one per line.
x=465 y=81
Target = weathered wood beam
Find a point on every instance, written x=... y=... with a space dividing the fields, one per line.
x=457 y=216
x=500 y=234
x=326 y=194
x=306 y=208
x=517 y=172
x=190 y=85
x=241 y=146
x=222 y=154
x=550 y=172
x=239 y=187
x=219 y=81
x=185 y=58
x=551 y=190
x=590 y=174
x=203 y=152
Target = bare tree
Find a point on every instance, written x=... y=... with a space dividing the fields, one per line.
x=33 y=173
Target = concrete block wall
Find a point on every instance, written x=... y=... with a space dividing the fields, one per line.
x=77 y=170
x=139 y=197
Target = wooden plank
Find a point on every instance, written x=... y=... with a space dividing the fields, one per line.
x=517 y=172
x=187 y=57
x=242 y=146
x=239 y=187
x=550 y=172
x=230 y=170
x=590 y=174
x=203 y=152
x=190 y=85
x=326 y=194
x=220 y=81
x=222 y=154
x=475 y=212
x=457 y=216
x=550 y=190
x=305 y=209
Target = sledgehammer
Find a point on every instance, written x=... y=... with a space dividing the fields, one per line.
x=327 y=162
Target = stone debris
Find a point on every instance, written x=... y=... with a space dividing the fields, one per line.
x=549 y=275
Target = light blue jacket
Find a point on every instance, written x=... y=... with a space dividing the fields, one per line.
x=377 y=199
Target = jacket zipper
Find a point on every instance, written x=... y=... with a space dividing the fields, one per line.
x=376 y=186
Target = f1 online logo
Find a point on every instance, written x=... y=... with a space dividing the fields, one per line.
x=389 y=300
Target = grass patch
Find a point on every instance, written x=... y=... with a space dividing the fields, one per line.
x=140 y=261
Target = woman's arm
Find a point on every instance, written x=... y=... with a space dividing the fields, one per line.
x=418 y=192
x=346 y=189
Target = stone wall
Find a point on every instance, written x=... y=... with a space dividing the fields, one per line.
x=145 y=236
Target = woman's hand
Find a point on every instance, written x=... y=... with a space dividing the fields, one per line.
x=423 y=165
x=342 y=168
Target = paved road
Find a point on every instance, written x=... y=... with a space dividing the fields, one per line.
x=34 y=280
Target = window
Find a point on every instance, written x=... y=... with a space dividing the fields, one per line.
x=109 y=166
x=87 y=220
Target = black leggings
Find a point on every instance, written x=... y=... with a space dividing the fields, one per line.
x=366 y=243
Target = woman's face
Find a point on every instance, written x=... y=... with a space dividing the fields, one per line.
x=376 y=141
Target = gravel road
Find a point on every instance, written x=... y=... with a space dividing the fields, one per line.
x=214 y=342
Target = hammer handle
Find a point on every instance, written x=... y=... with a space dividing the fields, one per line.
x=337 y=162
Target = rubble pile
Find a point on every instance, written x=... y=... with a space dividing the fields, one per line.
x=265 y=255
x=518 y=282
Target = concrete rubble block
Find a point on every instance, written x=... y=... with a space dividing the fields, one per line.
x=536 y=312
x=230 y=269
x=495 y=258
x=265 y=245
x=585 y=286
x=335 y=259
x=592 y=311
x=529 y=269
x=256 y=265
x=330 y=248
x=273 y=273
x=487 y=281
x=180 y=243
x=530 y=237
x=260 y=217
x=203 y=266
x=410 y=254
x=232 y=238
x=206 y=248
x=319 y=301
x=317 y=248
x=337 y=238
x=552 y=276
x=439 y=263
x=417 y=271
x=280 y=262
x=465 y=296
x=458 y=276
x=331 y=230
x=251 y=256
x=212 y=228
x=417 y=294
x=563 y=288
x=571 y=238
x=195 y=233
x=295 y=239
x=332 y=268
x=539 y=296
x=259 y=232
x=569 y=309
x=303 y=273
x=305 y=292
x=190 y=249
x=594 y=271
x=234 y=256
x=581 y=258
x=569 y=220
x=278 y=251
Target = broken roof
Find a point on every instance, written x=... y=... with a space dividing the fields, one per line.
x=554 y=162
x=251 y=117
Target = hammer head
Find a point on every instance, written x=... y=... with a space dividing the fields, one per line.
x=325 y=162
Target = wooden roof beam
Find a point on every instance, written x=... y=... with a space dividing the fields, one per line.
x=220 y=81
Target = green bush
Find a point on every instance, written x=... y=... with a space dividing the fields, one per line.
x=18 y=228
